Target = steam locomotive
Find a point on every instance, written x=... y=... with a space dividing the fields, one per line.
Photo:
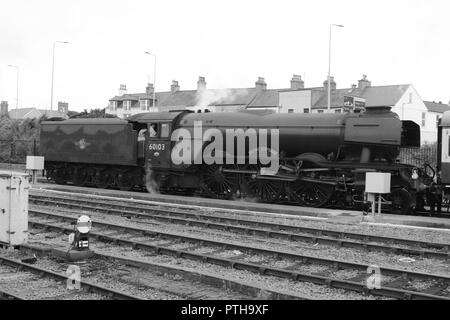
x=318 y=160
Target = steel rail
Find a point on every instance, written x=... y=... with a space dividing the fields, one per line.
x=209 y=279
x=262 y=269
x=339 y=238
x=90 y=287
x=5 y=295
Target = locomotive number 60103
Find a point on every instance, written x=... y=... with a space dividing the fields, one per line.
x=156 y=146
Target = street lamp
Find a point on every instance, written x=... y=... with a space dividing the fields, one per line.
x=53 y=70
x=154 y=76
x=17 y=86
x=329 y=65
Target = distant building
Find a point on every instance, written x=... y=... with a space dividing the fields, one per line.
x=202 y=99
x=3 y=108
x=34 y=113
x=403 y=99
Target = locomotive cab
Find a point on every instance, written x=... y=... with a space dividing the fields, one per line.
x=157 y=129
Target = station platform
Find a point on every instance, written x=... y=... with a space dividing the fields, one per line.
x=337 y=215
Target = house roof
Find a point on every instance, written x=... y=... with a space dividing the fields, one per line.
x=28 y=112
x=436 y=106
x=207 y=97
x=376 y=96
x=267 y=98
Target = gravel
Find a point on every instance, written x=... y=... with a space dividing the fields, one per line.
x=106 y=274
x=388 y=231
x=427 y=265
x=303 y=288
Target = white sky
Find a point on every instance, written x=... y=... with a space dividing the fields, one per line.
x=229 y=42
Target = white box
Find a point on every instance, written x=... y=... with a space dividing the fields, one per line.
x=35 y=163
x=378 y=182
x=13 y=207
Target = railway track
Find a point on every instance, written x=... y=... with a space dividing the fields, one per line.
x=192 y=217
x=397 y=283
x=189 y=284
x=18 y=275
x=445 y=213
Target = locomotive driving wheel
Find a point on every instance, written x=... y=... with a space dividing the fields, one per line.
x=218 y=183
x=401 y=201
x=311 y=194
x=265 y=190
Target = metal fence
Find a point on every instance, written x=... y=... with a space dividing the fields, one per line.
x=426 y=154
x=17 y=151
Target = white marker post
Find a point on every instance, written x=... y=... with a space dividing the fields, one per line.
x=34 y=163
x=377 y=183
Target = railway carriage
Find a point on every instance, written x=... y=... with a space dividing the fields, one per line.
x=322 y=158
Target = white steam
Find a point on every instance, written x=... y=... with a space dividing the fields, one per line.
x=218 y=96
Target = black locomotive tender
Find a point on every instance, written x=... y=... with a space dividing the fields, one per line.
x=323 y=157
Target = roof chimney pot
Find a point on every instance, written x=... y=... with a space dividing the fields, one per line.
x=260 y=85
x=364 y=83
x=174 y=87
x=201 y=84
x=297 y=82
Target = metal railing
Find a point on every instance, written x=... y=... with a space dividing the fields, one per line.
x=426 y=154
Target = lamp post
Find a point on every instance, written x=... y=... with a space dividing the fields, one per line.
x=154 y=76
x=17 y=86
x=53 y=71
x=329 y=66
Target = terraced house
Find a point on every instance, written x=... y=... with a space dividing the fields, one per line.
x=402 y=98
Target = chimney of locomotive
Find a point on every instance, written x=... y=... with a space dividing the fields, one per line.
x=260 y=85
x=149 y=89
x=297 y=82
x=201 y=84
x=332 y=84
x=174 y=87
x=363 y=83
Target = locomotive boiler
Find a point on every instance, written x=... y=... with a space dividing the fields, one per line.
x=321 y=159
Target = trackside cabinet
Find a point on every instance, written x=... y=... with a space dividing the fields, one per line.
x=13 y=207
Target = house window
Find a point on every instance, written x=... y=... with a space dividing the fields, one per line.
x=337 y=110
x=290 y=110
x=144 y=104
x=423 y=118
x=306 y=110
x=437 y=120
x=410 y=97
x=164 y=130
x=113 y=106
x=127 y=105
x=320 y=111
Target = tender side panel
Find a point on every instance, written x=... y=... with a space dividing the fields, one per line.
x=92 y=143
x=376 y=131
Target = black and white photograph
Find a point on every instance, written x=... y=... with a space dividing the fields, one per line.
x=214 y=156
